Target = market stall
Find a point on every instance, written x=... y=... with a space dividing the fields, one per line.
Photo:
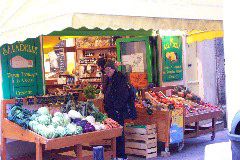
x=17 y=125
x=177 y=113
x=70 y=58
x=63 y=119
x=195 y=110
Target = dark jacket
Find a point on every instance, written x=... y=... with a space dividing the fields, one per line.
x=103 y=82
x=116 y=93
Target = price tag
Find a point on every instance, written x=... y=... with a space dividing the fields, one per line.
x=138 y=80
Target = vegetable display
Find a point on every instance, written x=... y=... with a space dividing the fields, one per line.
x=74 y=114
x=69 y=106
x=192 y=106
x=85 y=109
x=43 y=111
x=187 y=94
x=71 y=129
x=90 y=92
x=20 y=115
x=61 y=131
x=86 y=119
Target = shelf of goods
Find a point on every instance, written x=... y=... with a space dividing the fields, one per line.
x=98 y=48
x=195 y=110
x=76 y=142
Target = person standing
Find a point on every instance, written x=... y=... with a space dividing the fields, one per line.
x=101 y=63
x=116 y=96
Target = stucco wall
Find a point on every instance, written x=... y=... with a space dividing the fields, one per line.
x=207 y=70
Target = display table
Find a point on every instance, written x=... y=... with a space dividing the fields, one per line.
x=195 y=118
x=13 y=131
x=197 y=130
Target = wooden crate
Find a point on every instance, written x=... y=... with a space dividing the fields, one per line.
x=162 y=120
x=154 y=101
x=141 y=140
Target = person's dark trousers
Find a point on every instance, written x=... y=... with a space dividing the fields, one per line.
x=120 y=140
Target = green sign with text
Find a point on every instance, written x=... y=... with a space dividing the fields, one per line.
x=22 y=73
x=172 y=58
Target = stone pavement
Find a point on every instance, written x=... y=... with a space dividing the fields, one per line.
x=201 y=148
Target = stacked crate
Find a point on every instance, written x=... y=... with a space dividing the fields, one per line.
x=141 y=140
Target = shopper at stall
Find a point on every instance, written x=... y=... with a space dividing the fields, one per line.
x=115 y=100
x=101 y=63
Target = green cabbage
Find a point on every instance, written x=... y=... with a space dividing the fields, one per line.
x=46 y=131
x=39 y=128
x=44 y=119
x=58 y=114
x=50 y=132
x=58 y=126
x=66 y=119
x=57 y=121
x=74 y=114
x=32 y=124
x=43 y=111
x=71 y=129
x=60 y=131
x=34 y=116
x=79 y=129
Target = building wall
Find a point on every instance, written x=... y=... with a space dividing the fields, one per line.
x=210 y=70
x=220 y=71
x=192 y=81
x=207 y=71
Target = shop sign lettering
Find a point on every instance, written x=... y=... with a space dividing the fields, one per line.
x=18 y=47
x=22 y=73
x=172 y=58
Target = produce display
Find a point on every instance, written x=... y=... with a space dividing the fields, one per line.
x=20 y=115
x=72 y=119
x=187 y=94
x=147 y=104
x=90 y=91
x=85 y=108
x=192 y=103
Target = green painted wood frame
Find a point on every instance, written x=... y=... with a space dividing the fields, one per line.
x=83 y=31
x=158 y=61
x=26 y=81
x=148 y=53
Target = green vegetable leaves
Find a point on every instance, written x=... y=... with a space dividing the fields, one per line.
x=90 y=92
x=20 y=115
